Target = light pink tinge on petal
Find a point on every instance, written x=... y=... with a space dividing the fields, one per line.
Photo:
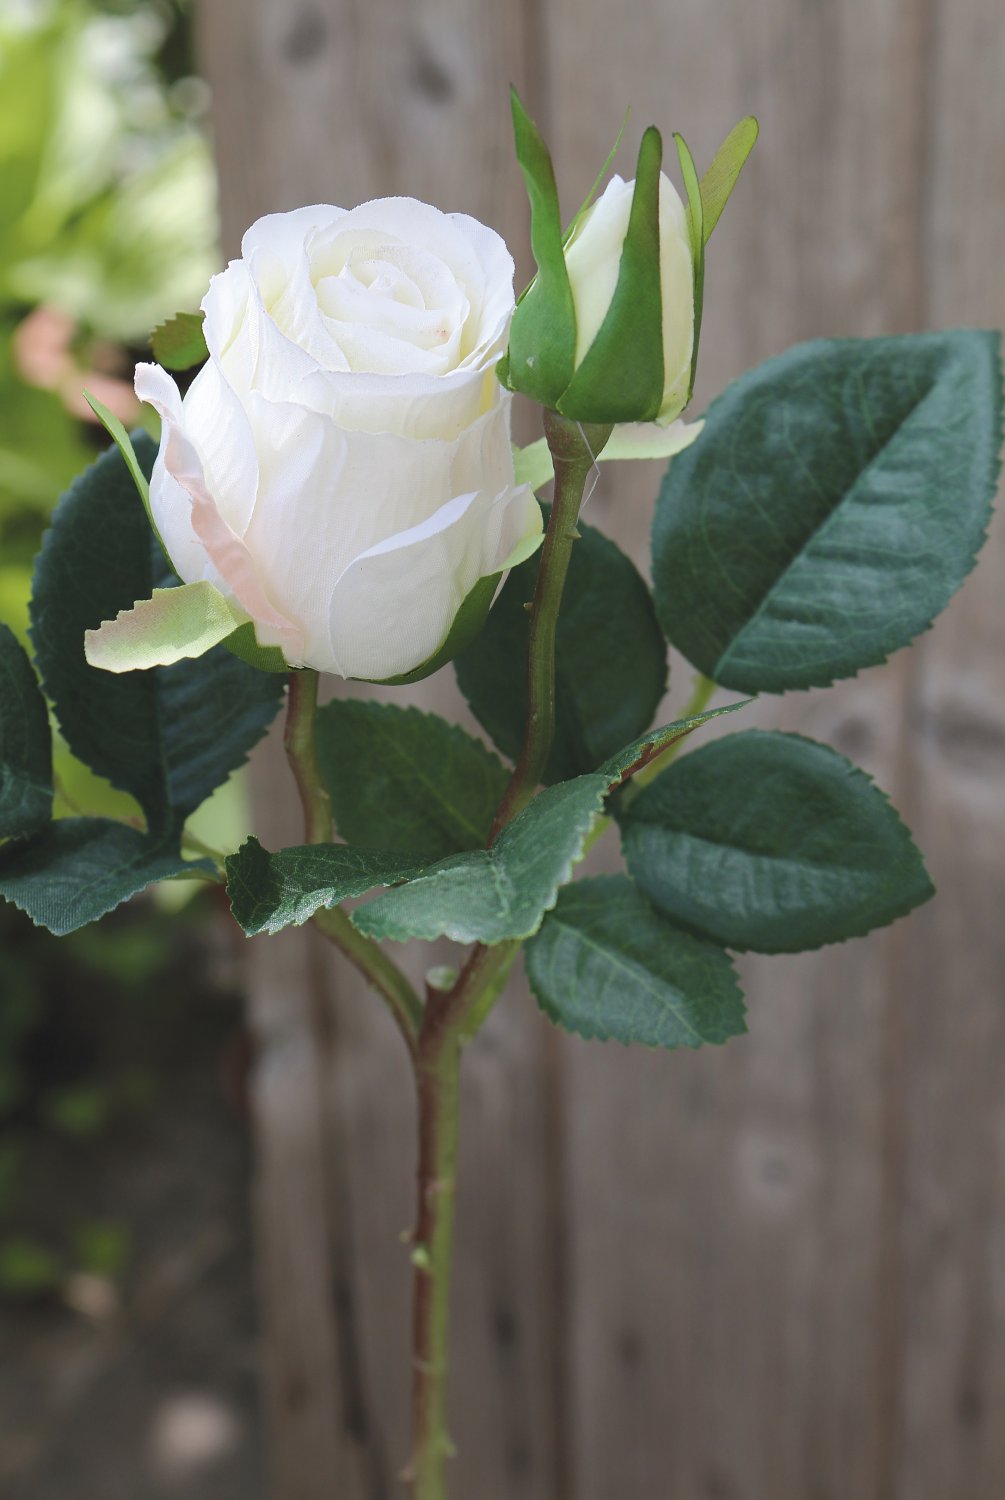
x=226 y=550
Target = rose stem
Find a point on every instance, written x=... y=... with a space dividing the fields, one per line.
x=574 y=448
x=454 y=1017
x=370 y=959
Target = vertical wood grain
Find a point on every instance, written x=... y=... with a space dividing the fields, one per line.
x=774 y=1271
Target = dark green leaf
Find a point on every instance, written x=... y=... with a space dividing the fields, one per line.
x=25 y=744
x=831 y=507
x=404 y=780
x=179 y=343
x=271 y=891
x=610 y=659
x=727 y=164
x=503 y=892
x=77 y=869
x=169 y=735
x=542 y=344
x=772 y=842
x=696 y=232
x=605 y=965
x=620 y=378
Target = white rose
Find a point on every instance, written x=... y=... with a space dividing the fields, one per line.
x=341 y=467
x=593 y=259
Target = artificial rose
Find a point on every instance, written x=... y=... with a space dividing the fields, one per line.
x=341 y=467
x=593 y=261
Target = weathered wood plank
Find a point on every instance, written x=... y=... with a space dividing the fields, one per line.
x=731 y=1214
x=949 y=1439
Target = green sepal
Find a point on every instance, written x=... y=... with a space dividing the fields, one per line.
x=727 y=164
x=179 y=343
x=25 y=744
x=244 y=644
x=123 y=441
x=605 y=965
x=542 y=343
x=696 y=234
x=587 y=201
x=620 y=378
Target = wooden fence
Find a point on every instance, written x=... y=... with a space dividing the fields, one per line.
x=775 y=1271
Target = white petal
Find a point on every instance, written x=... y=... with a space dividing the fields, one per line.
x=217 y=424
x=327 y=495
x=593 y=258
x=170 y=502
x=395 y=603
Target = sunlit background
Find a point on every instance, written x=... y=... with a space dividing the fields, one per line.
x=127 y=1349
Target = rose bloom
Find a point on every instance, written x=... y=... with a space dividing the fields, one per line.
x=341 y=467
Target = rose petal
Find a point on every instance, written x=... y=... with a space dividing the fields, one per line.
x=394 y=605
x=226 y=551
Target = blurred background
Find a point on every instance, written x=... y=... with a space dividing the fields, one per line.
x=770 y=1272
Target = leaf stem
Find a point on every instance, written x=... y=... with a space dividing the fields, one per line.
x=702 y=692
x=367 y=956
x=574 y=447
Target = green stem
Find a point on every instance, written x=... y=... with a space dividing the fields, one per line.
x=437 y=1075
x=453 y=1018
x=574 y=447
x=370 y=959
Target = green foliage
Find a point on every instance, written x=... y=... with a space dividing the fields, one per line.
x=408 y=781
x=271 y=891
x=832 y=505
x=542 y=345
x=620 y=378
x=28 y=1269
x=179 y=343
x=490 y=895
x=108 y=198
x=727 y=164
x=25 y=744
x=605 y=965
x=77 y=869
x=170 y=735
x=610 y=660
x=772 y=842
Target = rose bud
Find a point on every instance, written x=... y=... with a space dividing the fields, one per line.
x=608 y=329
x=341 y=469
